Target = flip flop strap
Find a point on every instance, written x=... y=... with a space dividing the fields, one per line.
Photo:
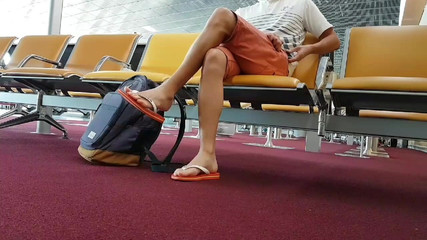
x=150 y=101
x=203 y=169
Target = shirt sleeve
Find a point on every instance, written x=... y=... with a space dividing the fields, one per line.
x=313 y=20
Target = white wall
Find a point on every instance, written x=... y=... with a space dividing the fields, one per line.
x=424 y=17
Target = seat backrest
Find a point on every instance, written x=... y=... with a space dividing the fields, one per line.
x=165 y=52
x=307 y=68
x=90 y=49
x=5 y=44
x=393 y=51
x=49 y=46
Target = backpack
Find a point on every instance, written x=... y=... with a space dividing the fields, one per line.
x=120 y=134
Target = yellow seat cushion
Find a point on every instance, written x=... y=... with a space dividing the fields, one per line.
x=287 y=108
x=256 y=81
x=25 y=90
x=48 y=46
x=85 y=94
x=40 y=72
x=5 y=43
x=396 y=115
x=226 y=104
x=398 y=51
x=410 y=84
x=124 y=75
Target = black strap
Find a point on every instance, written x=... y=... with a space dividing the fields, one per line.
x=151 y=156
x=166 y=165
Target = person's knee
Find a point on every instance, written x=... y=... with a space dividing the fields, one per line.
x=222 y=17
x=222 y=12
x=215 y=60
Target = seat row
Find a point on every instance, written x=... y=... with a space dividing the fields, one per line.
x=379 y=74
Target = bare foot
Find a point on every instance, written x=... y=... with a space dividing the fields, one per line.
x=201 y=159
x=162 y=100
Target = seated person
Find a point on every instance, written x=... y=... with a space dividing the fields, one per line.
x=253 y=40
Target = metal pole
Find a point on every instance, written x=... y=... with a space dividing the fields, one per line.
x=55 y=17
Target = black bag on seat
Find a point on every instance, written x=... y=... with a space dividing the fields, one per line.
x=120 y=134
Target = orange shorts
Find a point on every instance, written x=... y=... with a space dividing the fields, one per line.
x=249 y=51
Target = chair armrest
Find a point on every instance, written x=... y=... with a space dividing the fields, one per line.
x=113 y=59
x=40 y=58
x=325 y=65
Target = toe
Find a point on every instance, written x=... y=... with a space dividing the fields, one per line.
x=189 y=172
x=177 y=171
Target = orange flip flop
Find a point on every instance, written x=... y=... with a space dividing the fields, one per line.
x=206 y=175
x=151 y=113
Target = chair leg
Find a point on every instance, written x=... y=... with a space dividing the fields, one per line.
x=36 y=116
x=40 y=114
x=17 y=110
x=373 y=150
x=289 y=135
x=252 y=130
x=20 y=120
x=313 y=142
x=269 y=142
x=260 y=131
x=55 y=124
x=239 y=128
x=197 y=136
x=277 y=133
x=358 y=152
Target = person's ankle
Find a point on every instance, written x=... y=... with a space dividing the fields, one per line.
x=207 y=153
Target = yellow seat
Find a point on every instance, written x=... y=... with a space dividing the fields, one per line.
x=85 y=94
x=86 y=55
x=407 y=84
x=288 y=108
x=384 y=80
x=5 y=44
x=396 y=115
x=305 y=73
x=108 y=52
x=389 y=58
x=256 y=81
x=50 y=47
x=226 y=104
x=163 y=55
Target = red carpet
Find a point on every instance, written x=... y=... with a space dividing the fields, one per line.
x=48 y=192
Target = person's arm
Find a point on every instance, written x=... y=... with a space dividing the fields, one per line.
x=329 y=42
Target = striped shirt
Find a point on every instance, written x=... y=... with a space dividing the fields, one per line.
x=288 y=19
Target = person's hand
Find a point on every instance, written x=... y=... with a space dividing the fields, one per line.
x=275 y=40
x=299 y=52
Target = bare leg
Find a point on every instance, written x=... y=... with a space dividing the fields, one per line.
x=211 y=96
x=218 y=29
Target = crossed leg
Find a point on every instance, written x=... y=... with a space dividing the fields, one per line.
x=218 y=29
